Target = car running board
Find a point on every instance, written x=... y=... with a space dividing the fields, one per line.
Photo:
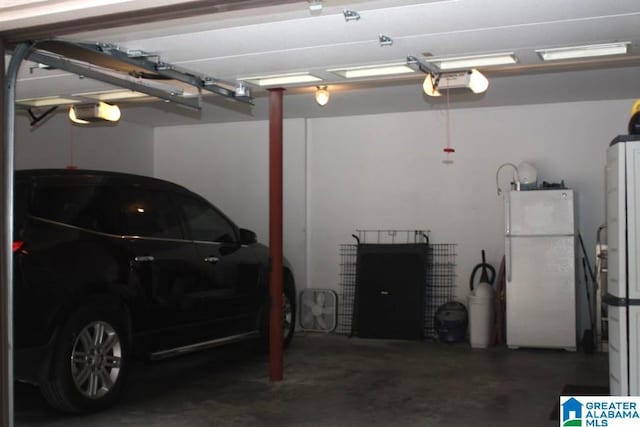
x=178 y=351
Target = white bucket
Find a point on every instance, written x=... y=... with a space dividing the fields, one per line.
x=481 y=312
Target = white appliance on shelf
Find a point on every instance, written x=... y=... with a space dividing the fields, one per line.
x=540 y=247
x=623 y=247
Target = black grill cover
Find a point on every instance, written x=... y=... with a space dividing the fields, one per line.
x=390 y=286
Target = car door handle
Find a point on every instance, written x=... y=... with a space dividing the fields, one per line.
x=212 y=259
x=144 y=258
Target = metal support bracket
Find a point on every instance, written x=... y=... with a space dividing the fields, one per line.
x=416 y=64
x=385 y=40
x=138 y=64
x=37 y=119
x=93 y=73
x=350 y=15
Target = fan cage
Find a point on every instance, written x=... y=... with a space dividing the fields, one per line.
x=332 y=298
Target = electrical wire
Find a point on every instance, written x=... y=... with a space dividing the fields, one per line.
x=448 y=150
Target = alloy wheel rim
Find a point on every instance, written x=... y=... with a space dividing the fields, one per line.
x=287 y=314
x=96 y=359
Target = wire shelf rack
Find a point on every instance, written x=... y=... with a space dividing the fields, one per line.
x=439 y=283
x=392 y=236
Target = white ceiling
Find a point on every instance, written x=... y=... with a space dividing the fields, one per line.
x=288 y=38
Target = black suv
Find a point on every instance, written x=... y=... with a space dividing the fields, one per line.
x=108 y=265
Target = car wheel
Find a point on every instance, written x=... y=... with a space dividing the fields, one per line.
x=90 y=362
x=288 y=315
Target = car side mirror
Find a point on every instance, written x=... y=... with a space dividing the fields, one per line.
x=247 y=237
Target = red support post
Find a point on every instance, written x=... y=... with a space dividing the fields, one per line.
x=275 y=234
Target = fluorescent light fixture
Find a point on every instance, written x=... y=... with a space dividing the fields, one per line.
x=47 y=101
x=587 y=51
x=322 y=95
x=88 y=113
x=373 y=71
x=473 y=80
x=110 y=95
x=475 y=61
x=282 y=79
x=315 y=5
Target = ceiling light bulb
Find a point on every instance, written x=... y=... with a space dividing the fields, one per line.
x=478 y=83
x=322 y=95
x=74 y=118
x=429 y=87
x=108 y=112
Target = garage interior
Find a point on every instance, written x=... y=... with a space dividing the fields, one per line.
x=380 y=155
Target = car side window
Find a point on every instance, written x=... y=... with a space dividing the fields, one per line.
x=21 y=203
x=203 y=221
x=149 y=213
x=79 y=205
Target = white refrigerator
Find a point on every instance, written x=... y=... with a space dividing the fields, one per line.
x=540 y=246
x=623 y=284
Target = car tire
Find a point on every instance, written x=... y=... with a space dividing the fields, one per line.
x=289 y=314
x=289 y=310
x=90 y=360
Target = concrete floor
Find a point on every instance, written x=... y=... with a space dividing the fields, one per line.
x=336 y=381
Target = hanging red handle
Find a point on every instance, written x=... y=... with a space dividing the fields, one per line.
x=449 y=150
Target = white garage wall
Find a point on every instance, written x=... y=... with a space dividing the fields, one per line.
x=386 y=171
x=228 y=164
x=125 y=147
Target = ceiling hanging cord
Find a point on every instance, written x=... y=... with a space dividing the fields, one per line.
x=71 y=164
x=448 y=149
